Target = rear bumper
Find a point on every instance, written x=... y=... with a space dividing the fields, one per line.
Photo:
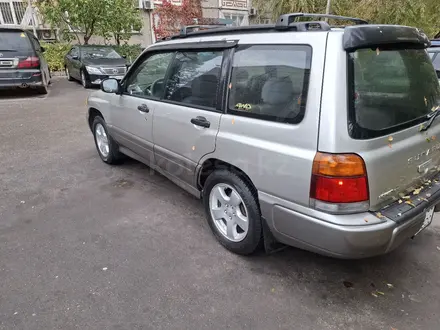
x=348 y=242
x=20 y=78
x=307 y=231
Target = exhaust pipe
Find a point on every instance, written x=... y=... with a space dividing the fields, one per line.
x=24 y=85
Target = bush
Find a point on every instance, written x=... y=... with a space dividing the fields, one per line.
x=130 y=51
x=55 y=53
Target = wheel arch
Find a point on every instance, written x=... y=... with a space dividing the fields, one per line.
x=93 y=113
x=212 y=164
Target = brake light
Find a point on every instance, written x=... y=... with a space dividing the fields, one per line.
x=30 y=62
x=339 y=179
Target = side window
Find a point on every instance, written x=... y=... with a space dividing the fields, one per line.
x=74 y=51
x=270 y=82
x=195 y=78
x=148 y=78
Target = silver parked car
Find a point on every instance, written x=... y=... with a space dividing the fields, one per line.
x=318 y=137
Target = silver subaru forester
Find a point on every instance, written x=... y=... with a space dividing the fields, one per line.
x=301 y=133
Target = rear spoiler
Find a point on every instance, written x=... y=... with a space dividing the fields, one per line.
x=372 y=36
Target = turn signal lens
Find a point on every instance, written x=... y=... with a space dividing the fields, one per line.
x=338 y=165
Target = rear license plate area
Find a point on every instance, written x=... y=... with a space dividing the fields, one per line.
x=429 y=215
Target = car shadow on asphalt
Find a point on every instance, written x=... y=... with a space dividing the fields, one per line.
x=19 y=93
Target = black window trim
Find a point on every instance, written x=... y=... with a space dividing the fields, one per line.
x=305 y=89
x=361 y=133
x=144 y=57
x=193 y=47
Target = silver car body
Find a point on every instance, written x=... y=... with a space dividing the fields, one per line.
x=278 y=157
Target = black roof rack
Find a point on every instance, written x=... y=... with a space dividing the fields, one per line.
x=286 y=20
x=194 y=28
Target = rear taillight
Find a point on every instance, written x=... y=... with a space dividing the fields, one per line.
x=339 y=183
x=30 y=62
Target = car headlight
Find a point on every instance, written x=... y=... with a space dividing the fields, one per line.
x=93 y=70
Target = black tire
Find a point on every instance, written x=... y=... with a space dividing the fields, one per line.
x=249 y=196
x=114 y=156
x=42 y=90
x=85 y=81
x=69 y=77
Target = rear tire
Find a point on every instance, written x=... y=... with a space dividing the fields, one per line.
x=233 y=212
x=107 y=148
x=43 y=90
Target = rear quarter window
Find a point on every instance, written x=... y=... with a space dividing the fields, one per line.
x=14 y=41
x=389 y=90
x=270 y=82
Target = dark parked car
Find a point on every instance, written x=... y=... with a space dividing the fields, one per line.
x=434 y=53
x=92 y=64
x=22 y=63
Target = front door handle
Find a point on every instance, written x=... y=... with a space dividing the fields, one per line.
x=201 y=121
x=143 y=108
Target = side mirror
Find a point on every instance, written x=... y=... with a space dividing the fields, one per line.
x=42 y=49
x=75 y=57
x=110 y=85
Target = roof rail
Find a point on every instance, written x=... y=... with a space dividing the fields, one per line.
x=193 y=28
x=285 y=20
x=262 y=28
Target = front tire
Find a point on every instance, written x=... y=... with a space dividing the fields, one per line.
x=69 y=77
x=233 y=213
x=85 y=80
x=106 y=147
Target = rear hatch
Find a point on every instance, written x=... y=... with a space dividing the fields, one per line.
x=15 y=47
x=394 y=95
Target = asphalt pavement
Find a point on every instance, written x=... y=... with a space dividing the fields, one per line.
x=84 y=245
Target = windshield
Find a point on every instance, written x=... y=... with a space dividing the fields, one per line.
x=14 y=41
x=99 y=52
x=390 y=90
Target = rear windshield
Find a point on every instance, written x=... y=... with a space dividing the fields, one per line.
x=14 y=41
x=390 y=90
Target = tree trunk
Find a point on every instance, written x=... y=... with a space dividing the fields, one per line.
x=86 y=39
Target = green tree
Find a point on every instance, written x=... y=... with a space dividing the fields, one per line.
x=76 y=16
x=122 y=17
x=420 y=13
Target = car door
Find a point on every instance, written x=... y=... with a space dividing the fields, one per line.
x=72 y=60
x=132 y=112
x=44 y=67
x=187 y=120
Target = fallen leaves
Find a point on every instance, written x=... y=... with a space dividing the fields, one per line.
x=348 y=284
x=410 y=203
x=417 y=191
x=389 y=285
x=379 y=215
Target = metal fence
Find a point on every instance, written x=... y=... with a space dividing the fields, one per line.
x=16 y=13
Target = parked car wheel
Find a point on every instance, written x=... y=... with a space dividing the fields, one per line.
x=42 y=90
x=107 y=148
x=69 y=77
x=85 y=80
x=232 y=212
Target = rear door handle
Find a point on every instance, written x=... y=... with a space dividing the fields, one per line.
x=201 y=121
x=143 y=108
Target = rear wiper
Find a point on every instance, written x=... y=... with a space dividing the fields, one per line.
x=431 y=117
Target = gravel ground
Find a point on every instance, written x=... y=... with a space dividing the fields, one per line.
x=87 y=246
